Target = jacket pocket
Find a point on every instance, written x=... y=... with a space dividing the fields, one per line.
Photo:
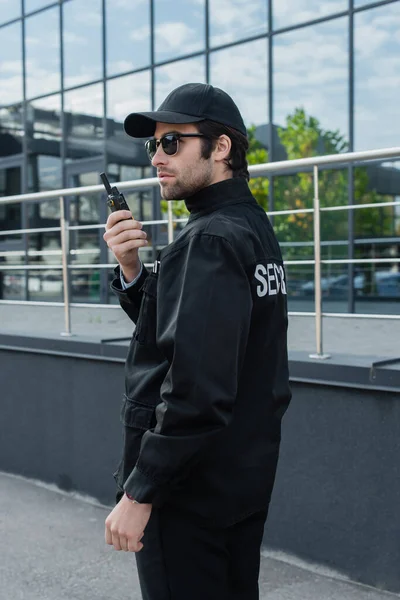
x=137 y=415
x=145 y=332
x=136 y=418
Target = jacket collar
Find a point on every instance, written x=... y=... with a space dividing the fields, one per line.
x=229 y=191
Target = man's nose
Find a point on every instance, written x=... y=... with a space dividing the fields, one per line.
x=160 y=158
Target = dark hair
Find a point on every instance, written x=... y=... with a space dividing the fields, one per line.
x=236 y=160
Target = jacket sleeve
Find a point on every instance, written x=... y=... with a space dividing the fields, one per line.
x=204 y=315
x=131 y=298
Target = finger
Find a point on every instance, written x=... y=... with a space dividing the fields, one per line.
x=125 y=236
x=117 y=216
x=124 y=251
x=115 y=541
x=123 y=543
x=108 y=536
x=134 y=546
x=122 y=226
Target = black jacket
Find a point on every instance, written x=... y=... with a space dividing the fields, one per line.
x=207 y=371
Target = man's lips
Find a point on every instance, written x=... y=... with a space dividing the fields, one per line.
x=165 y=176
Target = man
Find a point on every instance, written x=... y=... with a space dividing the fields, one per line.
x=207 y=370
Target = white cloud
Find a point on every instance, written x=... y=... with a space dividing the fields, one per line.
x=141 y=34
x=171 y=76
x=288 y=12
x=128 y=94
x=173 y=35
x=128 y=5
x=86 y=101
x=73 y=38
x=229 y=17
x=88 y=18
x=242 y=72
x=50 y=103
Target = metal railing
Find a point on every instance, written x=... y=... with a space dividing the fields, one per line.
x=275 y=168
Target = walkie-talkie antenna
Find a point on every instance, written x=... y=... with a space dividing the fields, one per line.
x=106 y=183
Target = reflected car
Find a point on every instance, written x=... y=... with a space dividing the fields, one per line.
x=335 y=286
x=388 y=284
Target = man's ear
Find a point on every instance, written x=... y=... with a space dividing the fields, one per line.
x=222 y=148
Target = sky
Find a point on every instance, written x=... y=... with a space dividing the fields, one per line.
x=310 y=65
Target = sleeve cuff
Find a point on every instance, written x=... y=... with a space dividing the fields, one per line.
x=144 y=490
x=126 y=286
x=132 y=294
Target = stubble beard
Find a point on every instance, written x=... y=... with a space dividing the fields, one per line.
x=194 y=180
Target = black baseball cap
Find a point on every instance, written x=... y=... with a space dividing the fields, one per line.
x=189 y=103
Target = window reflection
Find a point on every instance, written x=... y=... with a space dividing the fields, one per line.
x=310 y=85
x=31 y=5
x=125 y=95
x=11 y=64
x=179 y=28
x=292 y=12
x=377 y=48
x=171 y=76
x=128 y=47
x=232 y=20
x=84 y=122
x=44 y=161
x=82 y=39
x=11 y=130
x=362 y=2
x=42 y=53
x=242 y=72
x=10 y=9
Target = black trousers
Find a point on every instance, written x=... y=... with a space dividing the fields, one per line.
x=182 y=560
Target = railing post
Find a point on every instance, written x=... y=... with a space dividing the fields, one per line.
x=170 y=223
x=65 y=253
x=317 y=271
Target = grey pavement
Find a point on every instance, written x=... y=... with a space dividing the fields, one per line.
x=52 y=548
x=356 y=336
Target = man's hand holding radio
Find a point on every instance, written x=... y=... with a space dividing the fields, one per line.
x=124 y=236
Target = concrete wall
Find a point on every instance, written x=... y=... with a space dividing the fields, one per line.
x=337 y=495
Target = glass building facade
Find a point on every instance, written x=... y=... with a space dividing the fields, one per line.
x=310 y=77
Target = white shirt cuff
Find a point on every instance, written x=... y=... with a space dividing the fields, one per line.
x=125 y=285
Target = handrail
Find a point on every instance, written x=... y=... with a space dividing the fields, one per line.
x=255 y=171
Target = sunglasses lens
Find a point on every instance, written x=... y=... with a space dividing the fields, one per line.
x=151 y=148
x=169 y=144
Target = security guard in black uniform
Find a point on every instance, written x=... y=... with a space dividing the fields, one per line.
x=207 y=378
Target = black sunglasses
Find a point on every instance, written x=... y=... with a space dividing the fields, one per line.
x=169 y=143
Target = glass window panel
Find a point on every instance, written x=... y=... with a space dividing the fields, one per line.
x=169 y=77
x=82 y=39
x=84 y=122
x=311 y=88
x=9 y=9
x=44 y=161
x=10 y=214
x=43 y=53
x=362 y=2
x=11 y=64
x=132 y=50
x=31 y=5
x=292 y=12
x=179 y=28
x=11 y=130
x=232 y=20
x=125 y=95
x=377 y=77
x=242 y=71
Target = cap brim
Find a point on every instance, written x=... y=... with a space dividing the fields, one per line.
x=140 y=125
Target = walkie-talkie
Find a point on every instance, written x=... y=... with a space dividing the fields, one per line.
x=115 y=199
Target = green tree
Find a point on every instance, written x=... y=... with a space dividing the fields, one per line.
x=302 y=137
